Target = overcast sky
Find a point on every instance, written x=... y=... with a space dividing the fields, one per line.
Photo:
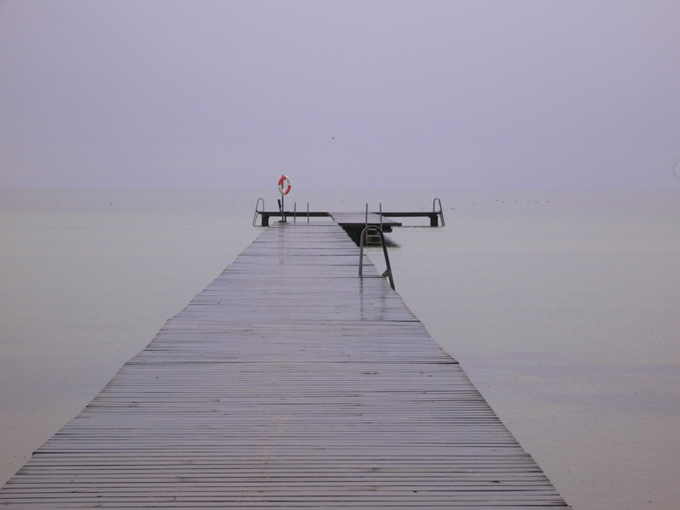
x=340 y=94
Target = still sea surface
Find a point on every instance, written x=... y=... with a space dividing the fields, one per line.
x=562 y=307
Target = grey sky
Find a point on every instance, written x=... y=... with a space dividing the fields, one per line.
x=423 y=94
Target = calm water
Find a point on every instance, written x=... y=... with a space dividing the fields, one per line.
x=563 y=308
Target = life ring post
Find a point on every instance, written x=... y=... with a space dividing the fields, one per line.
x=284 y=188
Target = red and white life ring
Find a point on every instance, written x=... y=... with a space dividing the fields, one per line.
x=284 y=184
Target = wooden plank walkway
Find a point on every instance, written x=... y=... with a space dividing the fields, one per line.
x=287 y=383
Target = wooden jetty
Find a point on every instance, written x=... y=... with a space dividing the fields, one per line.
x=289 y=382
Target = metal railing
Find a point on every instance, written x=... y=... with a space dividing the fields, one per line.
x=257 y=211
x=388 y=271
x=440 y=211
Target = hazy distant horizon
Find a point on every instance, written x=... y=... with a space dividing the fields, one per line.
x=302 y=187
x=340 y=95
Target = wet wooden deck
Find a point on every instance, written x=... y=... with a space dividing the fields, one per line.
x=287 y=383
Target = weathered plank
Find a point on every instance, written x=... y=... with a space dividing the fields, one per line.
x=287 y=383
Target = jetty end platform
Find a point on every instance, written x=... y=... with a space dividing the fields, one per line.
x=352 y=221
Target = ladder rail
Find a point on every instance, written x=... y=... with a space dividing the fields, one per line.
x=388 y=271
x=440 y=211
x=257 y=211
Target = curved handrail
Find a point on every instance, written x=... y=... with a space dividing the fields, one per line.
x=257 y=204
x=388 y=271
x=441 y=210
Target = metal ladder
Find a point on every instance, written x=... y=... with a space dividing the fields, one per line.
x=440 y=211
x=388 y=271
x=257 y=211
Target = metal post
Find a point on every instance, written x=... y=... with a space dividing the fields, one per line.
x=365 y=225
